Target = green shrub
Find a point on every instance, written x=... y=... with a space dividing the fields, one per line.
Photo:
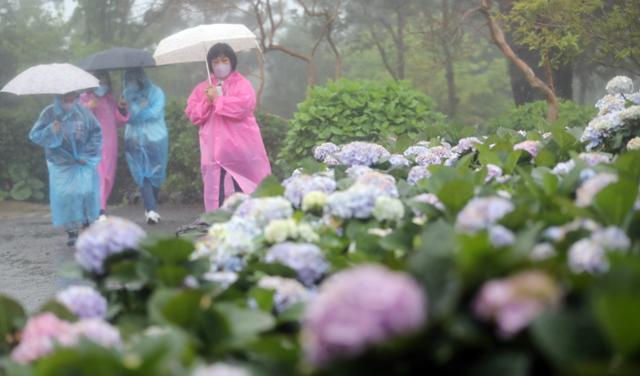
x=345 y=111
x=23 y=171
x=533 y=116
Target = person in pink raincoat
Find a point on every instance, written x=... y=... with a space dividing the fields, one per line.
x=232 y=153
x=110 y=115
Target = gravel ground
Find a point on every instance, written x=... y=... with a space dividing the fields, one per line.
x=33 y=252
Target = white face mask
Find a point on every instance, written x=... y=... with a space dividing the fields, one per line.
x=221 y=71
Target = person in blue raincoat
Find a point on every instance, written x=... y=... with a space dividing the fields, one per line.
x=146 y=138
x=72 y=140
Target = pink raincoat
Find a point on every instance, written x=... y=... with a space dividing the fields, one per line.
x=229 y=138
x=106 y=111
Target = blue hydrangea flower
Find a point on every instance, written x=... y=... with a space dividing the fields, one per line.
x=306 y=259
x=105 y=238
x=362 y=154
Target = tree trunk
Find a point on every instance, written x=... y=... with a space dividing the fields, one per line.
x=497 y=35
x=400 y=44
x=453 y=100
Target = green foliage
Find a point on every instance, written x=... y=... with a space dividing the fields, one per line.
x=558 y=29
x=22 y=164
x=533 y=116
x=346 y=111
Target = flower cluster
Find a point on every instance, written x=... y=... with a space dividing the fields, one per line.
x=280 y=230
x=297 y=187
x=388 y=209
x=221 y=369
x=226 y=243
x=514 y=302
x=45 y=331
x=105 y=238
x=530 y=146
x=358 y=308
x=306 y=259
x=287 y=291
x=264 y=210
x=482 y=212
x=590 y=188
x=612 y=112
x=83 y=301
x=589 y=254
x=362 y=154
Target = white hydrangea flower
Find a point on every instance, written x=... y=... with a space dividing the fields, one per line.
x=280 y=230
x=595 y=158
x=634 y=144
x=305 y=232
x=585 y=255
x=590 y=188
x=287 y=291
x=542 y=251
x=620 y=85
x=631 y=113
x=314 y=200
x=493 y=172
x=564 y=168
x=388 y=209
x=611 y=238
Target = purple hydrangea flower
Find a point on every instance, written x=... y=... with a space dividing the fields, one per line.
x=413 y=151
x=83 y=301
x=264 y=210
x=298 y=187
x=398 y=160
x=529 y=146
x=362 y=153
x=95 y=330
x=383 y=184
x=482 y=212
x=358 y=308
x=418 y=173
x=500 y=236
x=493 y=172
x=466 y=144
x=105 y=238
x=429 y=158
x=325 y=150
x=356 y=202
x=355 y=172
x=514 y=302
x=306 y=259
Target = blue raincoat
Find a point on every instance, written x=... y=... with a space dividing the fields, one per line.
x=146 y=135
x=74 y=188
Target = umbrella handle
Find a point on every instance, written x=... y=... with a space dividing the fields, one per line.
x=206 y=62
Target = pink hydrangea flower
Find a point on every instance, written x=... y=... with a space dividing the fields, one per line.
x=360 y=307
x=514 y=302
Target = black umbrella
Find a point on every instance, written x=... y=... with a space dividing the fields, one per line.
x=117 y=58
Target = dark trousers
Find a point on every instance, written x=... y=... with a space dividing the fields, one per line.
x=149 y=195
x=221 y=194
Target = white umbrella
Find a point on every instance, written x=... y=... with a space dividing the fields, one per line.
x=51 y=79
x=191 y=45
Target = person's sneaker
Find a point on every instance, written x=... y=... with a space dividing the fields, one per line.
x=153 y=218
x=102 y=217
x=73 y=236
